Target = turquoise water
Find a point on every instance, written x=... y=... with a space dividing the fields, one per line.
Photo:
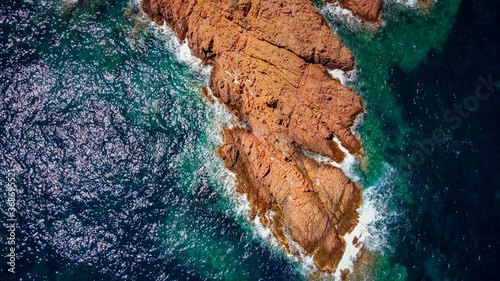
x=102 y=118
x=442 y=199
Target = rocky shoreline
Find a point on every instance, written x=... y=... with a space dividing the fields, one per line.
x=366 y=10
x=270 y=62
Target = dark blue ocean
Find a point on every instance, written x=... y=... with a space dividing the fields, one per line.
x=111 y=148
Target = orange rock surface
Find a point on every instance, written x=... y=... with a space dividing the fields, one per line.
x=270 y=63
x=368 y=10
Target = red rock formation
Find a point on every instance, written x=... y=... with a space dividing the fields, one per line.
x=315 y=203
x=368 y=10
x=270 y=60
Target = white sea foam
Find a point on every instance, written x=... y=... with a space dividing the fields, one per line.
x=180 y=50
x=340 y=16
x=220 y=117
x=345 y=77
x=412 y=4
x=374 y=215
x=408 y=3
x=358 y=122
x=349 y=162
x=241 y=205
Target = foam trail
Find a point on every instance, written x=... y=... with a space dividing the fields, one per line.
x=340 y=16
x=347 y=166
x=218 y=114
x=367 y=215
x=345 y=77
x=338 y=13
x=412 y=4
x=184 y=55
x=219 y=117
x=180 y=50
x=372 y=215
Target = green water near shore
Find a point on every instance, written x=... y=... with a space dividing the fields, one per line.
x=413 y=69
x=404 y=40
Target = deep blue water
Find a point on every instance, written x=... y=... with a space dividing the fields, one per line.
x=113 y=148
x=455 y=219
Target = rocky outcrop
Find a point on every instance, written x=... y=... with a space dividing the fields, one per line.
x=315 y=204
x=270 y=63
x=367 y=10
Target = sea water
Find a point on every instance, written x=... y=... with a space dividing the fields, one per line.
x=113 y=149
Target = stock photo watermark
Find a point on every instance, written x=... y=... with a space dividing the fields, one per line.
x=454 y=116
x=11 y=223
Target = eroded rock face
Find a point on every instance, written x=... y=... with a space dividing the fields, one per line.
x=270 y=63
x=368 y=10
x=314 y=203
x=425 y=5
